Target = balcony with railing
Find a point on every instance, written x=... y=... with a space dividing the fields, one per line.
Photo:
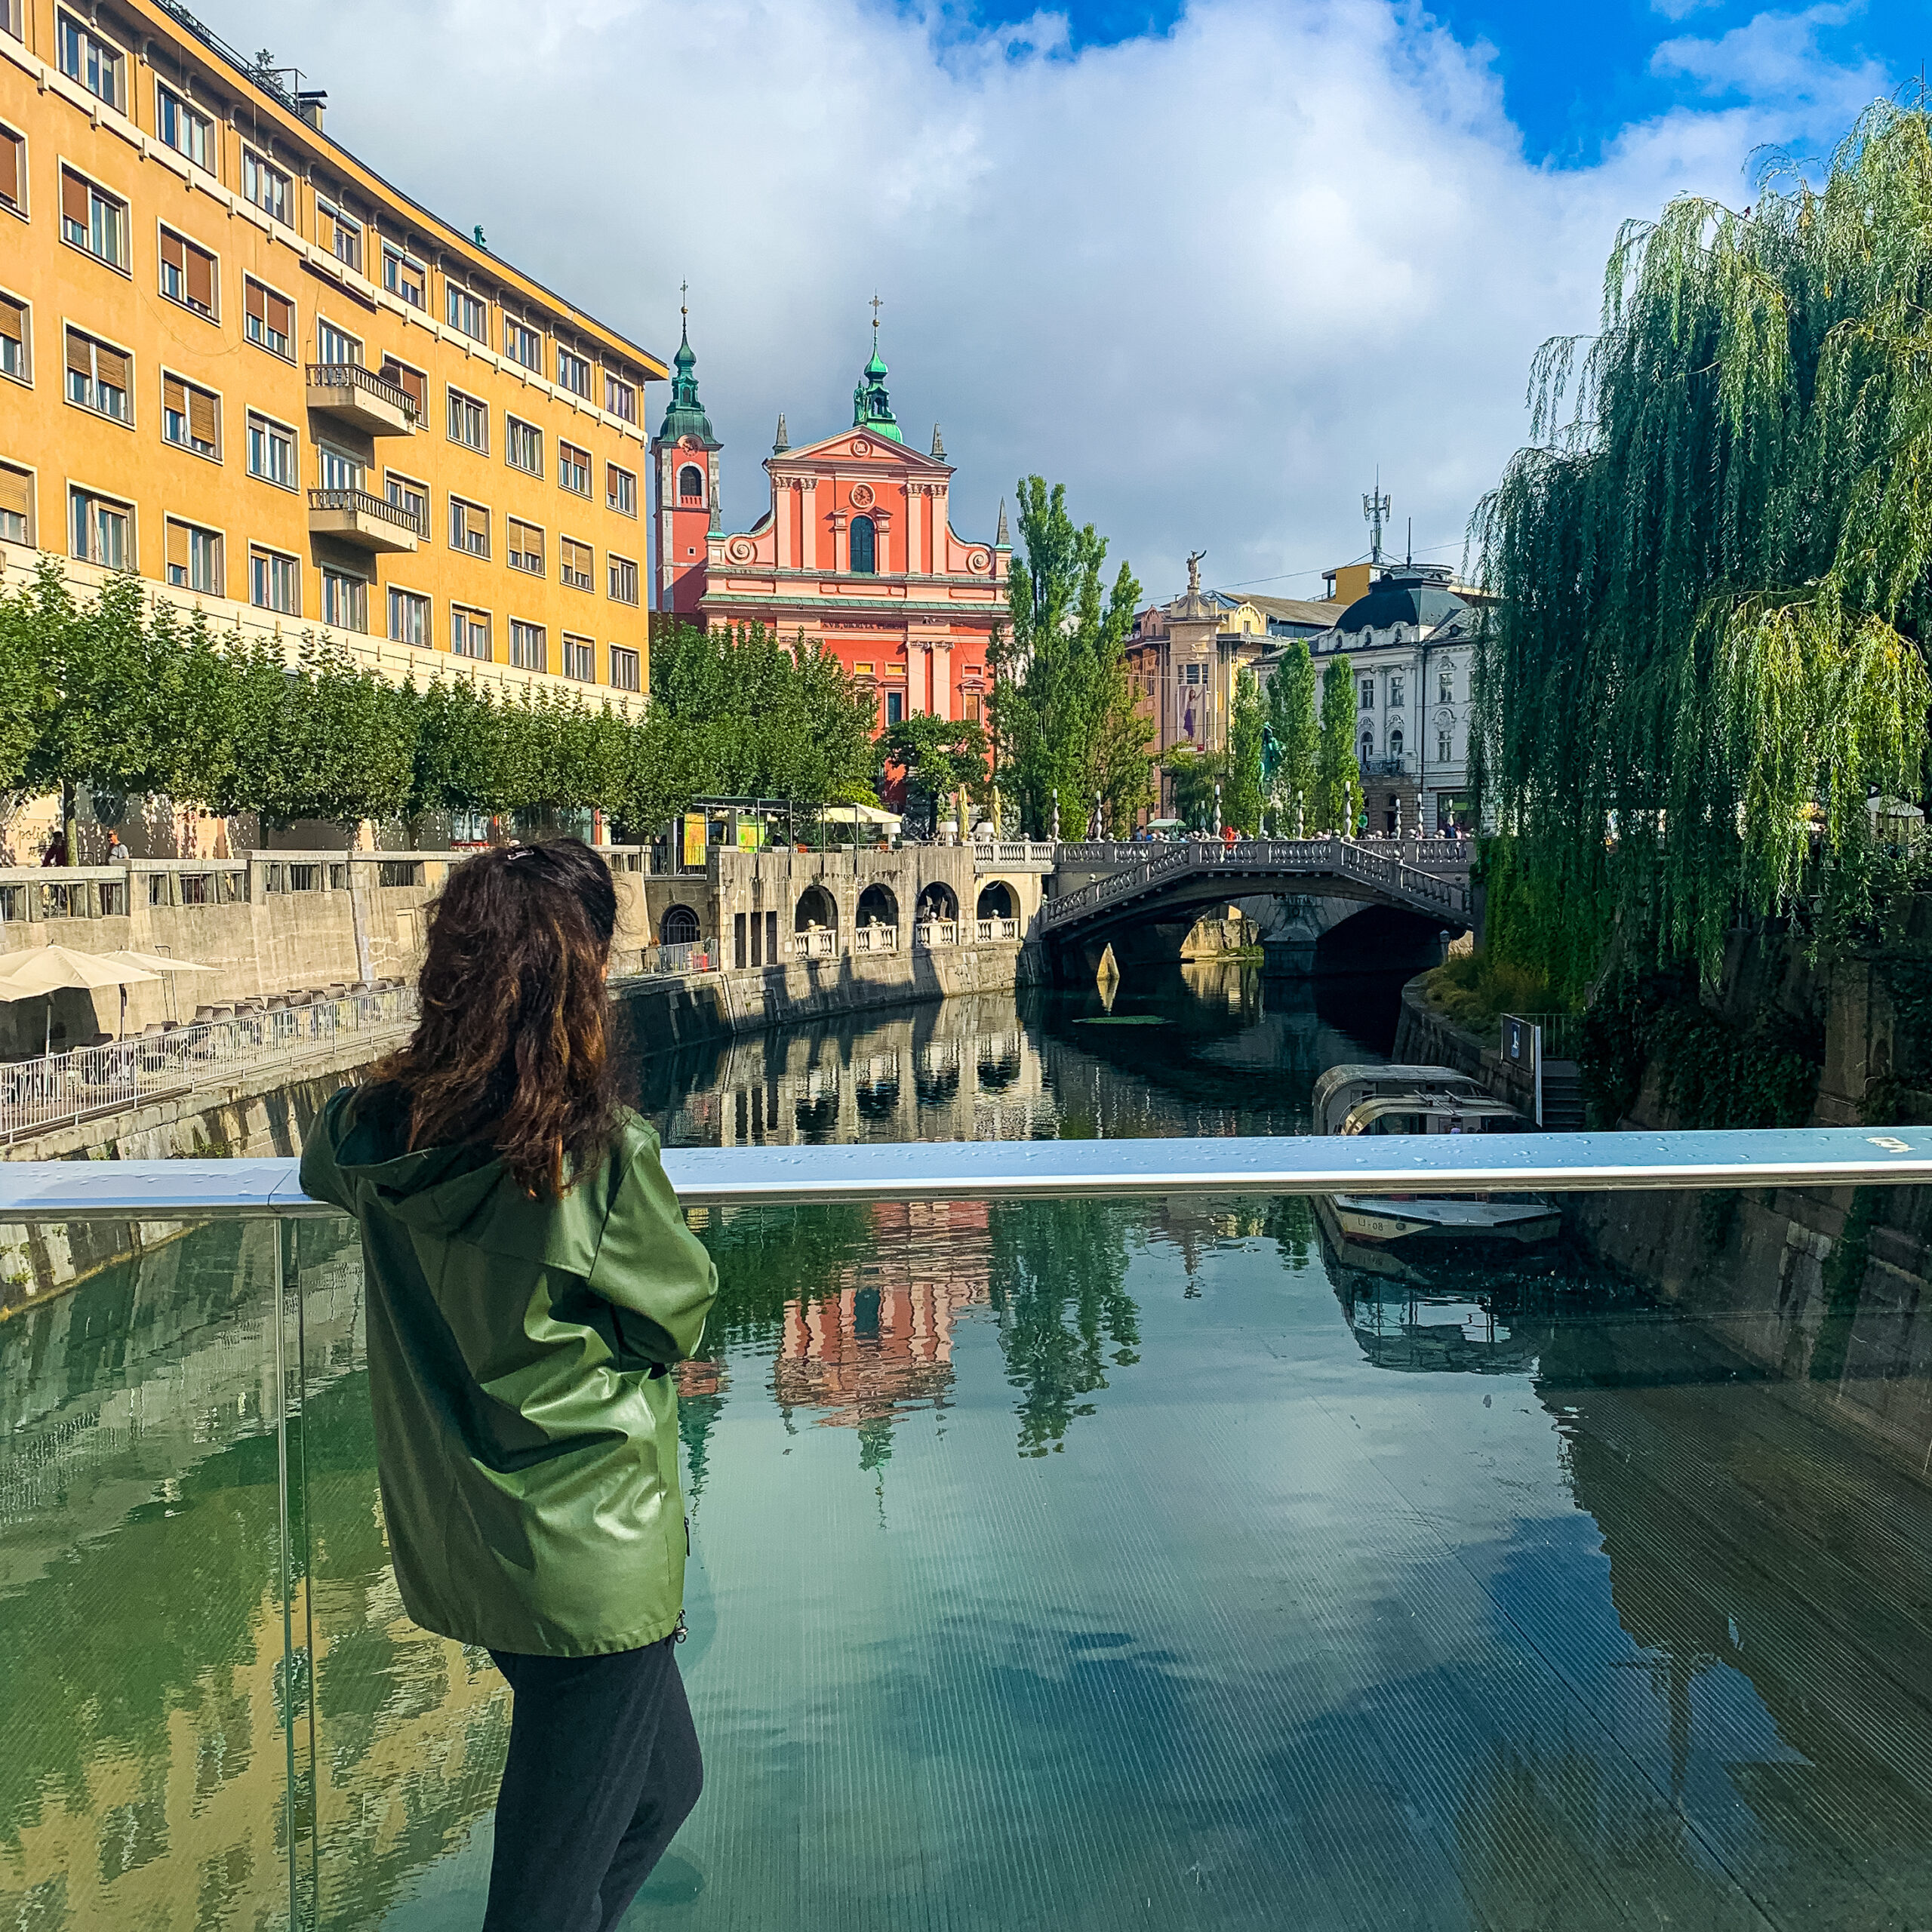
x=358 y=397
x=367 y=521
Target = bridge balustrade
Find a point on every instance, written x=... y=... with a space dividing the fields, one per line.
x=1346 y=858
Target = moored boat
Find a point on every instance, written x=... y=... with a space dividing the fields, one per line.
x=1356 y=1098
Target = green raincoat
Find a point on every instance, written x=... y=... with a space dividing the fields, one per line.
x=526 y=1424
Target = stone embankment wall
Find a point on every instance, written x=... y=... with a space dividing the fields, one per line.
x=1827 y=1291
x=659 y=1015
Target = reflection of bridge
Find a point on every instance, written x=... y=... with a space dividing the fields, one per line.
x=1171 y=886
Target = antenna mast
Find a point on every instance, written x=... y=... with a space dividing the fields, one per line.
x=1375 y=511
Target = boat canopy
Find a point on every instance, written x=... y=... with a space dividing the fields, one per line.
x=1346 y=1085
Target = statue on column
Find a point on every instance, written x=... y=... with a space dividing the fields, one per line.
x=1194 y=572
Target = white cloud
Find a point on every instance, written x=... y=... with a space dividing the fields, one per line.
x=1211 y=279
x=1774 y=58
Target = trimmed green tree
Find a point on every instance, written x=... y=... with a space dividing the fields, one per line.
x=1293 y=719
x=1337 y=772
x=1241 y=798
x=1068 y=728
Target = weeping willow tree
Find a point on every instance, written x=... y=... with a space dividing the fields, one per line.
x=1713 y=577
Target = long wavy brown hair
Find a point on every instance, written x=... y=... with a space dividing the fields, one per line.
x=512 y=1049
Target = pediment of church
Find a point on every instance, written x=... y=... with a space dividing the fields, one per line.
x=862 y=446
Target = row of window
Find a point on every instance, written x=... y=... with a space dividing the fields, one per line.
x=270 y=323
x=90 y=58
x=1445 y=746
x=468 y=422
x=100 y=530
x=1445 y=691
x=99 y=379
x=469 y=530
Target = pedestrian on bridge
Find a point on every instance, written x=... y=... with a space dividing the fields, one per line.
x=530 y=1283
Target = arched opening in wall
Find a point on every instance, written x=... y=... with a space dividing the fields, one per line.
x=816 y=911
x=679 y=927
x=996 y=901
x=938 y=901
x=1368 y=747
x=1395 y=744
x=878 y=906
x=865 y=547
x=691 y=484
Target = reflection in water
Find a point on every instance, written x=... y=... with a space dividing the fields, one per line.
x=1068 y=1563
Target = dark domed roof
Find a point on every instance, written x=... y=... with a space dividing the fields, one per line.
x=1402 y=596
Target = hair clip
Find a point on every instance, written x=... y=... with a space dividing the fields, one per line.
x=521 y=852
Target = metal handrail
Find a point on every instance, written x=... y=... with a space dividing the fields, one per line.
x=56 y=1089
x=33 y=1192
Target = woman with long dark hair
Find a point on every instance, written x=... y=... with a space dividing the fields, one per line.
x=530 y=1281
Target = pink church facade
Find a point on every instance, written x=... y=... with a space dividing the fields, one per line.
x=856 y=549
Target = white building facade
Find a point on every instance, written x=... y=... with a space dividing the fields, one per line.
x=1411 y=644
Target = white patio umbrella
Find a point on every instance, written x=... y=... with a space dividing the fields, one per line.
x=41 y=971
x=156 y=962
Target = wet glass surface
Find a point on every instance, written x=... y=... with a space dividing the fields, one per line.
x=1069 y=1565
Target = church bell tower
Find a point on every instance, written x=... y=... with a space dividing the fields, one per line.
x=684 y=469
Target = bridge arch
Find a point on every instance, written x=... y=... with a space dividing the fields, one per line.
x=1422 y=890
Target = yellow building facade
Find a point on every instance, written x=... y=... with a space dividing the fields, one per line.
x=236 y=360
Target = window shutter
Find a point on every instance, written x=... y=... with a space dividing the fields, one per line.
x=177 y=545
x=280 y=316
x=73 y=198
x=80 y=353
x=175 y=395
x=476 y=526
x=409 y=381
x=174 y=252
x=257 y=301
x=10 y=167
x=201 y=416
x=15 y=491
x=112 y=365
x=13 y=320
x=201 y=278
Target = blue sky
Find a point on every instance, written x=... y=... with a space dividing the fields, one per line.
x=1574 y=76
x=1211 y=265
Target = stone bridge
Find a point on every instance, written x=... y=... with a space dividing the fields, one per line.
x=1396 y=898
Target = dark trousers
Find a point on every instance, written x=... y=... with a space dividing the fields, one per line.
x=603 y=1768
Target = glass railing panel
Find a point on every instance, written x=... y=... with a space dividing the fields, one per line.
x=144 y=1778
x=1203 y=1559
x=1200 y=1564
x=410 y=1729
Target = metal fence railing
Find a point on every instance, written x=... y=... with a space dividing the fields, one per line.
x=58 y=1089
x=1561 y=1033
x=698 y=956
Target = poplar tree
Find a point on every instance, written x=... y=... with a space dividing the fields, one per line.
x=1292 y=719
x=1715 y=577
x=1241 y=799
x=1064 y=710
x=1337 y=774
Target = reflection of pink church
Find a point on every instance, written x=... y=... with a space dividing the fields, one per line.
x=882 y=1339
x=856 y=549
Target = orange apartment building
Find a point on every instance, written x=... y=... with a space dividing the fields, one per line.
x=236 y=360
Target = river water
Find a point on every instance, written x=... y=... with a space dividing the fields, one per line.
x=1067 y=1565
